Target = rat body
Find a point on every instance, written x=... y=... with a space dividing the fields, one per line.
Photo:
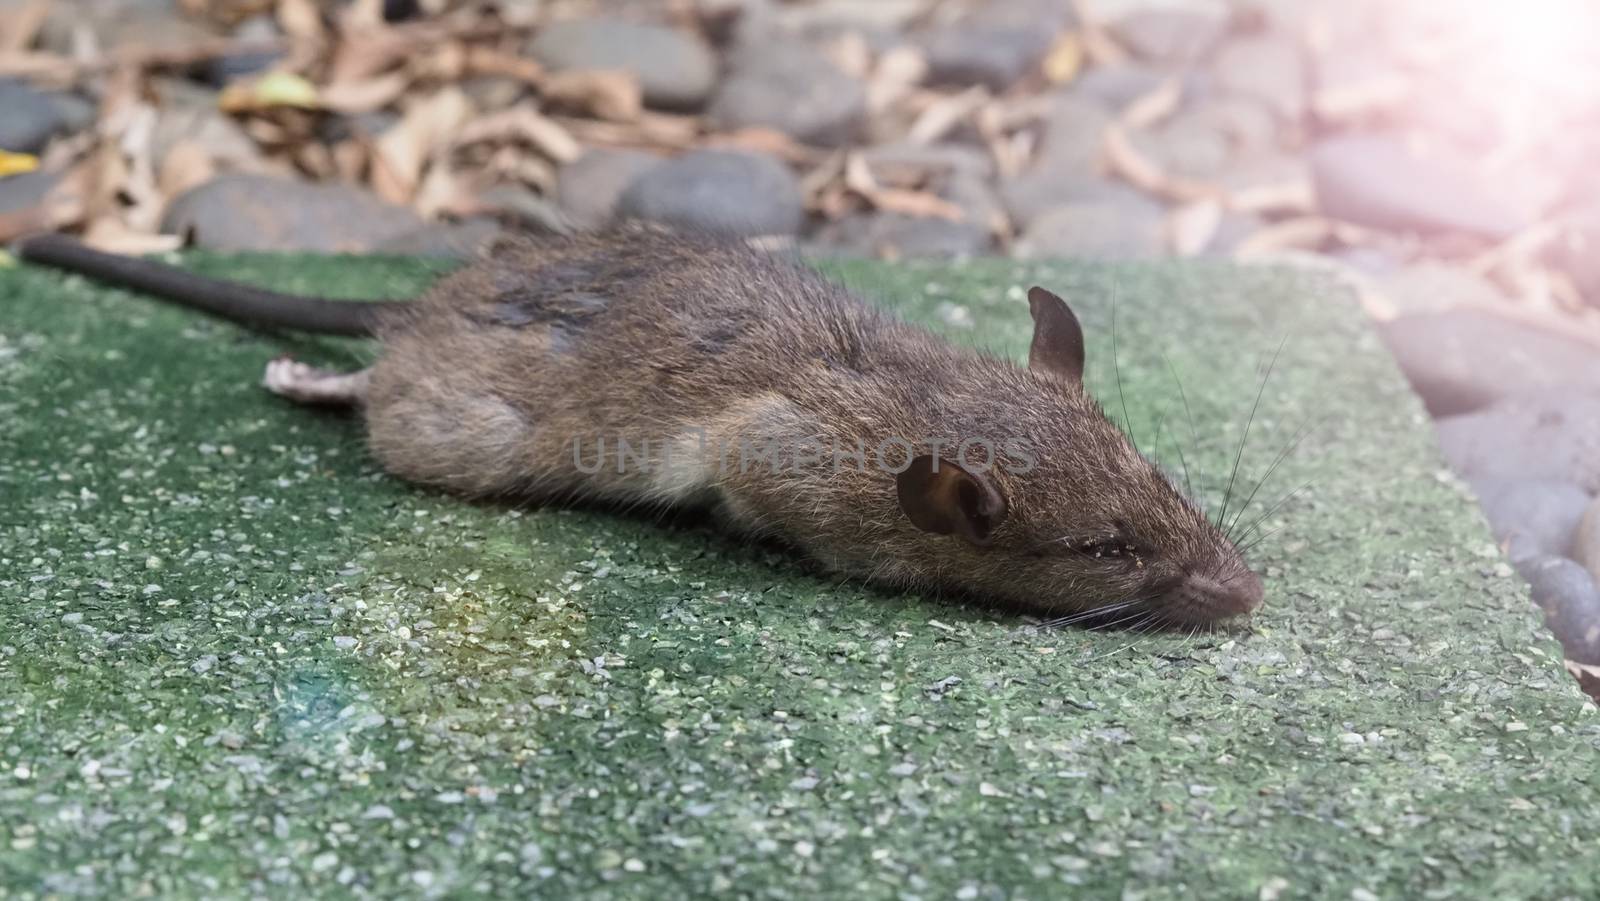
x=636 y=367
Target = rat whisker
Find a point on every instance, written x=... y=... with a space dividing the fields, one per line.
x=1188 y=485
x=1116 y=366
x=1276 y=507
x=1245 y=436
x=1294 y=444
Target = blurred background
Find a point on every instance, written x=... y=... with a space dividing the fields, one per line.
x=1438 y=156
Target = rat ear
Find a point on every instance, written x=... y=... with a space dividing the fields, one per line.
x=1057 y=336
x=940 y=497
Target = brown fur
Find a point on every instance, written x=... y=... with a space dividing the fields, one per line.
x=486 y=381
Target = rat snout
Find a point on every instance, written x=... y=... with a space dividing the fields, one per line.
x=1217 y=597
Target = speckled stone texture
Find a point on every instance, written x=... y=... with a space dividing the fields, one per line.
x=235 y=659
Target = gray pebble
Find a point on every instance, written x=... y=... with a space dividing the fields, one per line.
x=1577 y=252
x=727 y=191
x=675 y=69
x=259 y=212
x=937 y=160
x=1268 y=67
x=1094 y=230
x=1378 y=180
x=961 y=55
x=1114 y=87
x=1532 y=517
x=1464 y=359
x=218 y=71
x=1546 y=435
x=1169 y=33
x=994 y=44
x=26 y=189
x=1188 y=147
x=587 y=189
x=446 y=240
x=1586 y=541
x=895 y=236
x=1072 y=135
x=1571 y=602
x=794 y=89
x=1028 y=196
x=28 y=118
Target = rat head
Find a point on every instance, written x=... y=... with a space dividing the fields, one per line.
x=1090 y=525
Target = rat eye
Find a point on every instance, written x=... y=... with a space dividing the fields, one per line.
x=1111 y=549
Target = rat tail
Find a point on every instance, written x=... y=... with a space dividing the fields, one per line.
x=244 y=304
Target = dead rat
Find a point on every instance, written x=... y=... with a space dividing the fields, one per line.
x=641 y=368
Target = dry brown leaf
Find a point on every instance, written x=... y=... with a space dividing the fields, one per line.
x=945 y=112
x=1192 y=227
x=300 y=19
x=858 y=177
x=921 y=204
x=440 y=190
x=1126 y=161
x=766 y=140
x=850 y=52
x=401 y=152
x=1065 y=59
x=1357 y=102
x=1305 y=233
x=362 y=14
x=187 y=164
x=653 y=131
x=486 y=61
x=1099 y=46
x=1293 y=196
x=611 y=94
x=526 y=124
x=19 y=26
x=351 y=159
x=364 y=96
x=897 y=74
x=1153 y=107
x=50 y=68
x=113 y=236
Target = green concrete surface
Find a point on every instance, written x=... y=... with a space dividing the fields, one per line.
x=236 y=659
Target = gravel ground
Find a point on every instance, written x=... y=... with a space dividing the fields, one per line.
x=236 y=659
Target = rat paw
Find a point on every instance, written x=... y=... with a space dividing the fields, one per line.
x=286 y=377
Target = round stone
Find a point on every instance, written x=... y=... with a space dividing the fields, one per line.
x=725 y=191
x=793 y=89
x=675 y=70
x=260 y=212
x=587 y=189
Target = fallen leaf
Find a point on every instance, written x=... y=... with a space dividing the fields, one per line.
x=611 y=94
x=112 y=236
x=187 y=164
x=897 y=74
x=1126 y=161
x=365 y=95
x=1192 y=227
x=20 y=25
x=1305 y=233
x=1065 y=59
x=274 y=89
x=524 y=123
x=1293 y=196
x=17 y=163
x=944 y=112
x=858 y=178
x=652 y=131
x=1154 y=106
x=766 y=140
x=400 y=154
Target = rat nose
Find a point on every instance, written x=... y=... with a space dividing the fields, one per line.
x=1236 y=593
